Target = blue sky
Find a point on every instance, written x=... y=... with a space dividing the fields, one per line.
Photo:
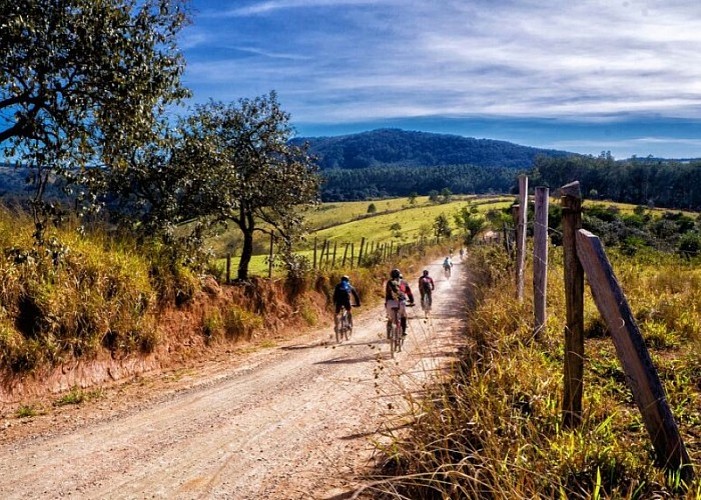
x=580 y=75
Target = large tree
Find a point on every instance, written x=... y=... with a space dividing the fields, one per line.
x=257 y=179
x=81 y=81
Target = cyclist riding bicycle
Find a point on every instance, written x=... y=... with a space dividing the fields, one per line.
x=342 y=300
x=397 y=291
x=426 y=286
x=447 y=265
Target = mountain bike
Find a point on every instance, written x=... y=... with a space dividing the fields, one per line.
x=426 y=302
x=394 y=331
x=447 y=271
x=345 y=328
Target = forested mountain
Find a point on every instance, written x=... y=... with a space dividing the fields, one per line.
x=394 y=147
x=12 y=181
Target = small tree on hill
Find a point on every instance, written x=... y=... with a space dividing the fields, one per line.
x=441 y=226
x=250 y=173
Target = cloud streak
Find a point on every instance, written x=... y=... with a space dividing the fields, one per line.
x=361 y=60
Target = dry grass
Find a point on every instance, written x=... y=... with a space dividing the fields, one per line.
x=493 y=429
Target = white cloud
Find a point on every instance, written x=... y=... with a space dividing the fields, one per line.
x=334 y=60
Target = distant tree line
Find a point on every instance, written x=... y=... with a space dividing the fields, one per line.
x=393 y=181
x=639 y=181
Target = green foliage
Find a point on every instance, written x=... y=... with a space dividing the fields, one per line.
x=372 y=208
x=470 y=222
x=644 y=182
x=441 y=226
x=690 y=244
x=251 y=173
x=240 y=323
x=73 y=96
x=446 y=195
x=77 y=396
x=26 y=411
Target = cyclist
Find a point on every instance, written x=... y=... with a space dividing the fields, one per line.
x=342 y=299
x=462 y=254
x=447 y=265
x=397 y=291
x=426 y=286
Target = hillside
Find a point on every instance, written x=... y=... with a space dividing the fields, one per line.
x=391 y=147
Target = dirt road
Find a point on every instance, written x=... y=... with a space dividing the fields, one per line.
x=291 y=422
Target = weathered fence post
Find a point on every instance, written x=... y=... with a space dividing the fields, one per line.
x=360 y=251
x=574 y=301
x=314 y=261
x=540 y=258
x=352 y=256
x=333 y=261
x=640 y=372
x=324 y=257
x=521 y=234
x=345 y=253
x=228 y=268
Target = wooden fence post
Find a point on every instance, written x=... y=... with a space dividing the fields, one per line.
x=540 y=259
x=360 y=251
x=333 y=261
x=640 y=372
x=521 y=234
x=228 y=268
x=352 y=257
x=314 y=261
x=345 y=253
x=574 y=301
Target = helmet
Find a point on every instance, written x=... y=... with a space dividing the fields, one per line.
x=395 y=273
x=425 y=272
x=345 y=278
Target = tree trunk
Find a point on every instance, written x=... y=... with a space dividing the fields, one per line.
x=247 y=226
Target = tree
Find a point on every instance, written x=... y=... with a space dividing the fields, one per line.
x=441 y=226
x=446 y=195
x=372 y=208
x=433 y=196
x=412 y=197
x=470 y=221
x=81 y=80
x=257 y=179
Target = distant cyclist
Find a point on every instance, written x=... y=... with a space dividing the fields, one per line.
x=447 y=266
x=426 y=287
x=342 y=299
x=462 y=254
x=397 y=291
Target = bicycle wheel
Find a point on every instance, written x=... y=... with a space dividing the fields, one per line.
x=426 y=304
x=394 y=339
x=338 y=329
x=347 y=327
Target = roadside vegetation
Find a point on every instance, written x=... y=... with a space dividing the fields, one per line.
x=493 y=428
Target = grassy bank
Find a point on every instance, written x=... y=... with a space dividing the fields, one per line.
x=493 y=430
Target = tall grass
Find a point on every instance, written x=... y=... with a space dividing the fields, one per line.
x=72 y=298
x=492 y=430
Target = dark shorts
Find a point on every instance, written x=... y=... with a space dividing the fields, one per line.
x=343 y=305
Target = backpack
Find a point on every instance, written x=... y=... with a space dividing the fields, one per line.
x=425 y=283
x=398 y=289
x=341 y=291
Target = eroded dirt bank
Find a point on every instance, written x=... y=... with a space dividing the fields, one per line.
x=295 y=421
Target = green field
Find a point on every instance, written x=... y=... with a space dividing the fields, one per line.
x=349 y=222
